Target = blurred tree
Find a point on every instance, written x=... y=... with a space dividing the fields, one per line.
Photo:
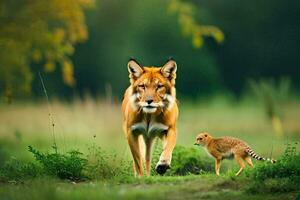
x=262 y=40
x=272 y=96
x=189 y=25
x=147 y=31
x=38 y=31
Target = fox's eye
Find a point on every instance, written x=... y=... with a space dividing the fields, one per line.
x=200 y=138
x=160 y=86
x=142 y=86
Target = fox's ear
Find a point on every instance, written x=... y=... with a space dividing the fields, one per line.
x=134 y=69
x=169 y=70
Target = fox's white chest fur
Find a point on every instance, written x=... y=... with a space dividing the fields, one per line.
x=150 y=128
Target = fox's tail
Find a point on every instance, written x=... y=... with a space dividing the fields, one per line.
x=251 y=153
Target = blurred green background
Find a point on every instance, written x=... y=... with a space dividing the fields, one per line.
x=260 y=42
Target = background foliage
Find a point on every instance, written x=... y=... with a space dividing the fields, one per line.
x=41 y=32
x=249 y=40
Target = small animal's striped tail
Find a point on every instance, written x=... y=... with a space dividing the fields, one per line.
x=251 y=153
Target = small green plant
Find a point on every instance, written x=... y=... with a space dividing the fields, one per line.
x=286 y=167
x=73 y=165
x=102 y=165
x=65 y=166
x=282 y=176
x=3 y=155
x=185 y=161
x=16 y=170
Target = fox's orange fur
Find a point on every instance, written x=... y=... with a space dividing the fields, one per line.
x=226 y=147
x=149 y=109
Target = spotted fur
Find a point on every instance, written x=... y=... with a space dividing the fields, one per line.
x=226 y=147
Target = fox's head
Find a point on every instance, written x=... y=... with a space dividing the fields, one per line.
x=153 y=88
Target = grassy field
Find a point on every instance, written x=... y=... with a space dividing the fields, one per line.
x=188 y=187
x=80 y=124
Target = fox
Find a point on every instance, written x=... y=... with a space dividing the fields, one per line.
x=228 y=147
x=150 y=110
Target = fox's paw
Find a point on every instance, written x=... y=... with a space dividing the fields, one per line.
x=162 y=167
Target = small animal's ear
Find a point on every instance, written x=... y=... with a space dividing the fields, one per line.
x=169 y=70
x=134 y=69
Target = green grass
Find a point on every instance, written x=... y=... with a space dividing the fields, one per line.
x=110 y=180
x=82 y=124
x=188 y=187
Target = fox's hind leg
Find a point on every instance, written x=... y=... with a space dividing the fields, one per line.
x=241 y=164
x=249 y=161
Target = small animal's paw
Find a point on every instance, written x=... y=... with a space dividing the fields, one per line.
x=162 y=167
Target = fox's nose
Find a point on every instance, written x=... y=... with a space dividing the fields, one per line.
x=149 y=101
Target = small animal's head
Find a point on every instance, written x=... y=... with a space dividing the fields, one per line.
x=153 y=88
x=202 y=139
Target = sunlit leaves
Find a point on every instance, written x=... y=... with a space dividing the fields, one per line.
x=189 y=26
x=49 y=66
x=42 y=32
x=68 y=72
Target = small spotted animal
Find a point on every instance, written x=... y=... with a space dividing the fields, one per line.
x=227 y=147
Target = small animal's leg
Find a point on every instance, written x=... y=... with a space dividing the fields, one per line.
x=217 y=166
x=249 y=161
x=135 y=151
x=241 y=164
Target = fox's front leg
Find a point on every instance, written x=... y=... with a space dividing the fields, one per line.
x=148 y=142
x=169 y=142
x=136 y=154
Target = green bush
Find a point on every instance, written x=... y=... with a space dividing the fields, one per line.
x=16 y=170
x=65 y=166
x=102 y=165
x=282 y=176
x=286 y=167
x=73 y=165
x=185 y=161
